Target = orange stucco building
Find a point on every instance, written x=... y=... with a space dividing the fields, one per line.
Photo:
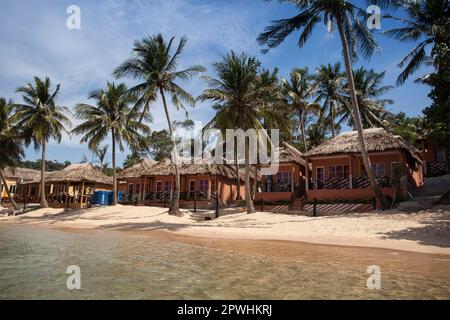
x=338 y=172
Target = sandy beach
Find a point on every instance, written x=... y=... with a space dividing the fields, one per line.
x=424 y=232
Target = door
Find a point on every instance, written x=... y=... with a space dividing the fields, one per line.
x=320 y=177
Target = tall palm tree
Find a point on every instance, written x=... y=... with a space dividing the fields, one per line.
x=111 y=115
x=10 y=142
x=298 y=91
x=420 y=25
x=244 y=96
x=354 y=36
x=369 y=89
x=156 y=67
x=41 y=119
x=100 y=153
x=328 y=87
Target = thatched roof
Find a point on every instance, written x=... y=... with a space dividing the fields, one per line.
x=208 y=167
x=377 y=140
x=137 y=170
x=288 y=153
x=21 y=173
x=76 y=173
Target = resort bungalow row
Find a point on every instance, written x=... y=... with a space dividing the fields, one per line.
x=152 y=183
x=72 y=187
x=338 y=171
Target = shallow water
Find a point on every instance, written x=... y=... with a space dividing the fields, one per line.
x=33 y=264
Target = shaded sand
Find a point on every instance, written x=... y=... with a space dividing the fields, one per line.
x=424 y=232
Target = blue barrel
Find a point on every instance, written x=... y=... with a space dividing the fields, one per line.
x=120 y=196
x=100 y=198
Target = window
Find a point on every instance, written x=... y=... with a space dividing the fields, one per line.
x=167 y=186
x=191 y=185
x=338 y=172
x=379 y=169
x=203 y=185
x=130 y=188
x=158 y=186
x=440 y=155
x=284 y=177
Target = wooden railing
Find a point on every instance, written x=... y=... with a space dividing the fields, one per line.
x=435 y=169
x=344 y=183
x=274 y=187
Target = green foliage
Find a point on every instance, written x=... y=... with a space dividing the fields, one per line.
x=410 y=128
x=50 y=165
x=159 y=145
x=10 y=141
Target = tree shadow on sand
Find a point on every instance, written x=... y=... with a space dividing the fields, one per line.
x=434 y=232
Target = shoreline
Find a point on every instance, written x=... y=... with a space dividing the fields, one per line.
x=353 y=231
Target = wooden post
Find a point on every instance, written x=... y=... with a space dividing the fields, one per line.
x=307 y=173
x=350 y=171
x=315 y=207
x=209 y=189
x=82 y=194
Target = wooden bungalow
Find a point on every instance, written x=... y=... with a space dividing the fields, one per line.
x=338 y=171
x=14 y=177
x=289 y=182
x=71 y=187
x=149 y=183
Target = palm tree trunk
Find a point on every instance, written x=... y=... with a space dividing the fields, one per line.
x=238 y=178
x=175 y=207
x=44 y=203
x=11 y=200
x=302 y=129
x=333 y=127
x=248 y=193
x=357 y=117
x=114 y=167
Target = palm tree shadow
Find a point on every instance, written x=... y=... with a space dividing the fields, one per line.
x=434 y=232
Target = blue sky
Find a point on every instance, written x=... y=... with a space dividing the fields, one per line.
x=34 y=40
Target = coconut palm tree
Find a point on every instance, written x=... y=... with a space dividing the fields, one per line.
x=100 y=153
x=355 y=38
x=243 y=95
x=156 y=67
x=369 y=89
x=298 y=90
x=40 y=120
x=420 y=25
x=10 y=141
x=328 y=87
x=111 y=115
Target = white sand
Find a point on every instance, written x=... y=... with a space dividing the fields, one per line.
x=426 y=232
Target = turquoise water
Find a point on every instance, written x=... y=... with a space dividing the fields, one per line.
x=33 y=263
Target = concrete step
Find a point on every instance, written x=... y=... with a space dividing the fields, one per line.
x=409 y=206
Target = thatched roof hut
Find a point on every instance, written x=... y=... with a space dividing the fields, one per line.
x=208 y=167
x=377 y=140
x=137 y=170
x=77 y=173
x=21 y=173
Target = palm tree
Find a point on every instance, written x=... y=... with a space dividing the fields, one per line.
x=421 y=24
x=156 y=67
x=329 y=87
x=100 y=153
x=41 y=119
x=111 y=115
x=10 y=141
x=297 y=91
x=354 y=37
x=243 y=97
x=368 y=91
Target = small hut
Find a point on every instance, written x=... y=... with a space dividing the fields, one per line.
x=71 y=187
x=14 y=177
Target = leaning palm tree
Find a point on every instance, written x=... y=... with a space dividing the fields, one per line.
x=329 y=82
x=369 y=89
x=243 y=96
x=354 y=36
x=421 y=24
x=10 y=142
x=40 y=119
x=298 y=91
x=156 y=67
x=111 y=115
